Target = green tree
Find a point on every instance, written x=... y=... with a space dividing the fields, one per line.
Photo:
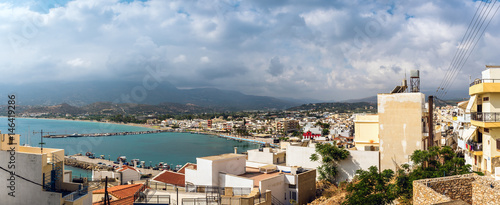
x=371 y=187
x=432 y=163
x=325 y=132
x=330 y=155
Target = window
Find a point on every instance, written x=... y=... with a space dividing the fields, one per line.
x=486 y=99
x=487 y=130
x=498 y=143
x=293 y=195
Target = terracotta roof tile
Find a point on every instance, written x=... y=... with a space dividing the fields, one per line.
x=170 y=177
x=125 y=167
x=121 y=191
x=190 y=165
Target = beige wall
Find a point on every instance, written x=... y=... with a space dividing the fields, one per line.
x=400 y=127
x=306 y=185
x=366 y=131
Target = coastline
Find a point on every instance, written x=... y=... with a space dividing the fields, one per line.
x=251 y=139
x=79 y=120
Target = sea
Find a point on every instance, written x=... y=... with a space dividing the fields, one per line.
x=173 y=148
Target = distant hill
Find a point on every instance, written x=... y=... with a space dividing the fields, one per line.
x=105 y=108
x=371 y=99
x=86 y=93
x=340 y=107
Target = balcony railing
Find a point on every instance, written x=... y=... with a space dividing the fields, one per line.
x=474 y=146
x=486 y=116
x=479 y=81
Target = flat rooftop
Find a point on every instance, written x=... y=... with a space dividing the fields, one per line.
x=223 y=156
x=256 y=176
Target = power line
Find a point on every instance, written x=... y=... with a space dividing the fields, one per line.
x=12 y=173
x=466 y=51
x=465 y=45
x=456 y=52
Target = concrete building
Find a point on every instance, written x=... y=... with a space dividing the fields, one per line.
x=401 y=127
x=36 y=176
x=298 y=154
x=483 y=146
x=366 y=136
x=267 y=155
x=128 y=174
x=290 y=126
x=233 y=171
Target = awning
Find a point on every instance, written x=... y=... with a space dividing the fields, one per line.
x=472 y=101
x=469 y=133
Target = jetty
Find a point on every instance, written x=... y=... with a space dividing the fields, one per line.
x=104 y=134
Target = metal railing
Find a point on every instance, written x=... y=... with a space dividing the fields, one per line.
x=275 y=201
x=475 y=146
x=155 y=199
x=485 y=116
x=198 y=201
x=76 y=194
x=479 y=81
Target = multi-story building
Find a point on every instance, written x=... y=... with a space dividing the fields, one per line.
x=401 y=127
x=483 y=146
x=33 y=175
x=366 y=132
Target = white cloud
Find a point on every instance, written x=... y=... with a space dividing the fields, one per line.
x=78 y=62
x=318 y=50
x=205 y=59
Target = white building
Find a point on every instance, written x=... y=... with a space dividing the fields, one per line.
x=232 y=170
x=36 y=176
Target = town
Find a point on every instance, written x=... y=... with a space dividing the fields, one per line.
x=290 y=165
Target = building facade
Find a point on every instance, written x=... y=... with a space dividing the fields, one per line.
x=483 y=146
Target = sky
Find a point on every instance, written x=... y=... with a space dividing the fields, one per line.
x=325 y=50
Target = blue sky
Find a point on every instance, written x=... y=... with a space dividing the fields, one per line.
x=326 y=50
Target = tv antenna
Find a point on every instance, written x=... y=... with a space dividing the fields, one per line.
x=41 y=139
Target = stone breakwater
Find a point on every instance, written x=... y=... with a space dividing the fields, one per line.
x=106 y=134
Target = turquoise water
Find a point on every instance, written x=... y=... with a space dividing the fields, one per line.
x=77 y=172
x=171 y=148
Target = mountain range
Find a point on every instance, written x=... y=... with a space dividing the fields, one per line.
x=85 y=93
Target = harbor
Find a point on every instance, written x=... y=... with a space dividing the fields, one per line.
x=84 y=162
x=105 y=134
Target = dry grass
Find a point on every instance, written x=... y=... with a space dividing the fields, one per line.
x=327 y=193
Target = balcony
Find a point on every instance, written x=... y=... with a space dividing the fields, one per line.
x=484 y=86
x=474 y=147
x=485 y=119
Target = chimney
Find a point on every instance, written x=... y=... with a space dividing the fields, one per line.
x=236 y=150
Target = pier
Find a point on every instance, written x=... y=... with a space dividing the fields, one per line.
x=83 y=162
x=105 y=134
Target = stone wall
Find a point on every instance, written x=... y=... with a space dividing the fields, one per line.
x=425 y=195
x=470 y=188
x=453 y=188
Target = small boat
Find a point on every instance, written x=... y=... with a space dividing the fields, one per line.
x=75 y=135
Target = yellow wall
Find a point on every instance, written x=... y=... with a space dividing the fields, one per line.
x=400 y=127
x=4 y=142
x=366 y=131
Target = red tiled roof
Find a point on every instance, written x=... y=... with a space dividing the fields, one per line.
x=170 y=177
x=190 y=165
x=124 y=193
x=125 y=167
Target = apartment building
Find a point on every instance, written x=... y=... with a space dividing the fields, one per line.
x=483 y=145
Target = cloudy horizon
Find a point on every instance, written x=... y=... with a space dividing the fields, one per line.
x=289 y=49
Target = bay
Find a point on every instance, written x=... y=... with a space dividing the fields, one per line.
x=168 y=147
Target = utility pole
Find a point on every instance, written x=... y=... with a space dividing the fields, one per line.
x=430 y=102
x=41 y=139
